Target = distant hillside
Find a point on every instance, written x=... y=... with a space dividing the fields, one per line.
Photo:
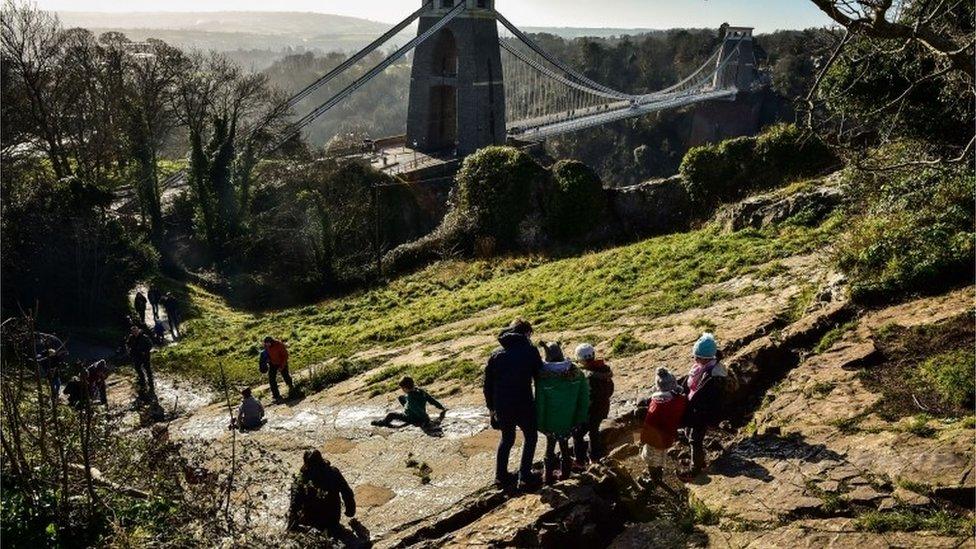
x=247 y=33
x=248 y=22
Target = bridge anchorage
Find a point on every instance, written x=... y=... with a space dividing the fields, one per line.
x=469 y=88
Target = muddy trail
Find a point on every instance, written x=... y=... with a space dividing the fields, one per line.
x=459 y=464
x=414 y=489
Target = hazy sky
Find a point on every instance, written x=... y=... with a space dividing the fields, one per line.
x=765 y=15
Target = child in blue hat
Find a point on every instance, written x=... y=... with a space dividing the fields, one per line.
x=705 y=387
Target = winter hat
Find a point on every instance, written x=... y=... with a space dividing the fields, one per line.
x=705 y=347
x=554 y=353
x=664 y=380
x=585 y=351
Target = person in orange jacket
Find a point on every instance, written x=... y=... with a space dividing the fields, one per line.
x=277 y=362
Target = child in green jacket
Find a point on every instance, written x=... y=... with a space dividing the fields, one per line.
x=414 y=401
x=562 y=400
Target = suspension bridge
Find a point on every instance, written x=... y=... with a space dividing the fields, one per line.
x=471 y=88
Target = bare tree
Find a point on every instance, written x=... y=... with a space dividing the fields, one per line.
x=884 y=19
x=880 y=83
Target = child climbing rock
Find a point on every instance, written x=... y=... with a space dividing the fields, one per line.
x=664 y=413
x=705 y=387
x=315 y=494
x=562 y=402
x=414 y=401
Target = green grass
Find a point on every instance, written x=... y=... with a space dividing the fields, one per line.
x=626 y=344
x=919 y=426
x=951 y=375
x=911 y=520
x=833 y=336
x=386 y=379
x=654 y=277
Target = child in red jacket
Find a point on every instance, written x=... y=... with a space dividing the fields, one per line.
x=664 y=413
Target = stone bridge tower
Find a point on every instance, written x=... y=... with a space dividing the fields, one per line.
x=457 y=97
x=740 y=72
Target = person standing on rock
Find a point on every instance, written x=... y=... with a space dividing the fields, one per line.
x=509 y=376
x=140 y=304
x=277 y=362
x=705 y=387
x=664 y=413
x=139 y=347
x=600 y=378
x=154 y=297
x=562 y=400
x=315 y=494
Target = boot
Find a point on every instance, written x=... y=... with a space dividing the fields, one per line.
x=655 y=474
x=566 y=468
x=550 y=470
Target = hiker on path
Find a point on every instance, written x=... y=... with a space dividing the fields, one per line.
x=315 y=494
x=562 y=401
x=414 y=401
x=250 y=414
x=277 y=362
x=171 y=307
x=97 y=377
x=140 y=304
x=51 y=366
x=159 y=332
x=139 y=346
x=705 y=387
x=600 y=378
x=77 y=391
x=664 y=413
x=154 y=298
x=508 y=383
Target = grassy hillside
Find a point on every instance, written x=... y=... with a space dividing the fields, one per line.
x=649 y=278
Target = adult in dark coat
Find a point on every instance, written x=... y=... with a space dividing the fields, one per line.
x=172 y=314
x=154 y=298
x=508 y=393
x=139 y=346
x=315 y=495
x=140 y=304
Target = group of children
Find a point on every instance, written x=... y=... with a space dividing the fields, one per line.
x=693 y=402
x=573 y=398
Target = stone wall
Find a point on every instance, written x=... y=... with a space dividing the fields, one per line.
x=652 y=207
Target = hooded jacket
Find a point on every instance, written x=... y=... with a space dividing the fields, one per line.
x=705 y=407
x=508 y=378
x=315 y=494
x=562 y=399
x=600 y=376
x=664 y=413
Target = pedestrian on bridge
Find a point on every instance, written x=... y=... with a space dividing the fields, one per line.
x=509 y=377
